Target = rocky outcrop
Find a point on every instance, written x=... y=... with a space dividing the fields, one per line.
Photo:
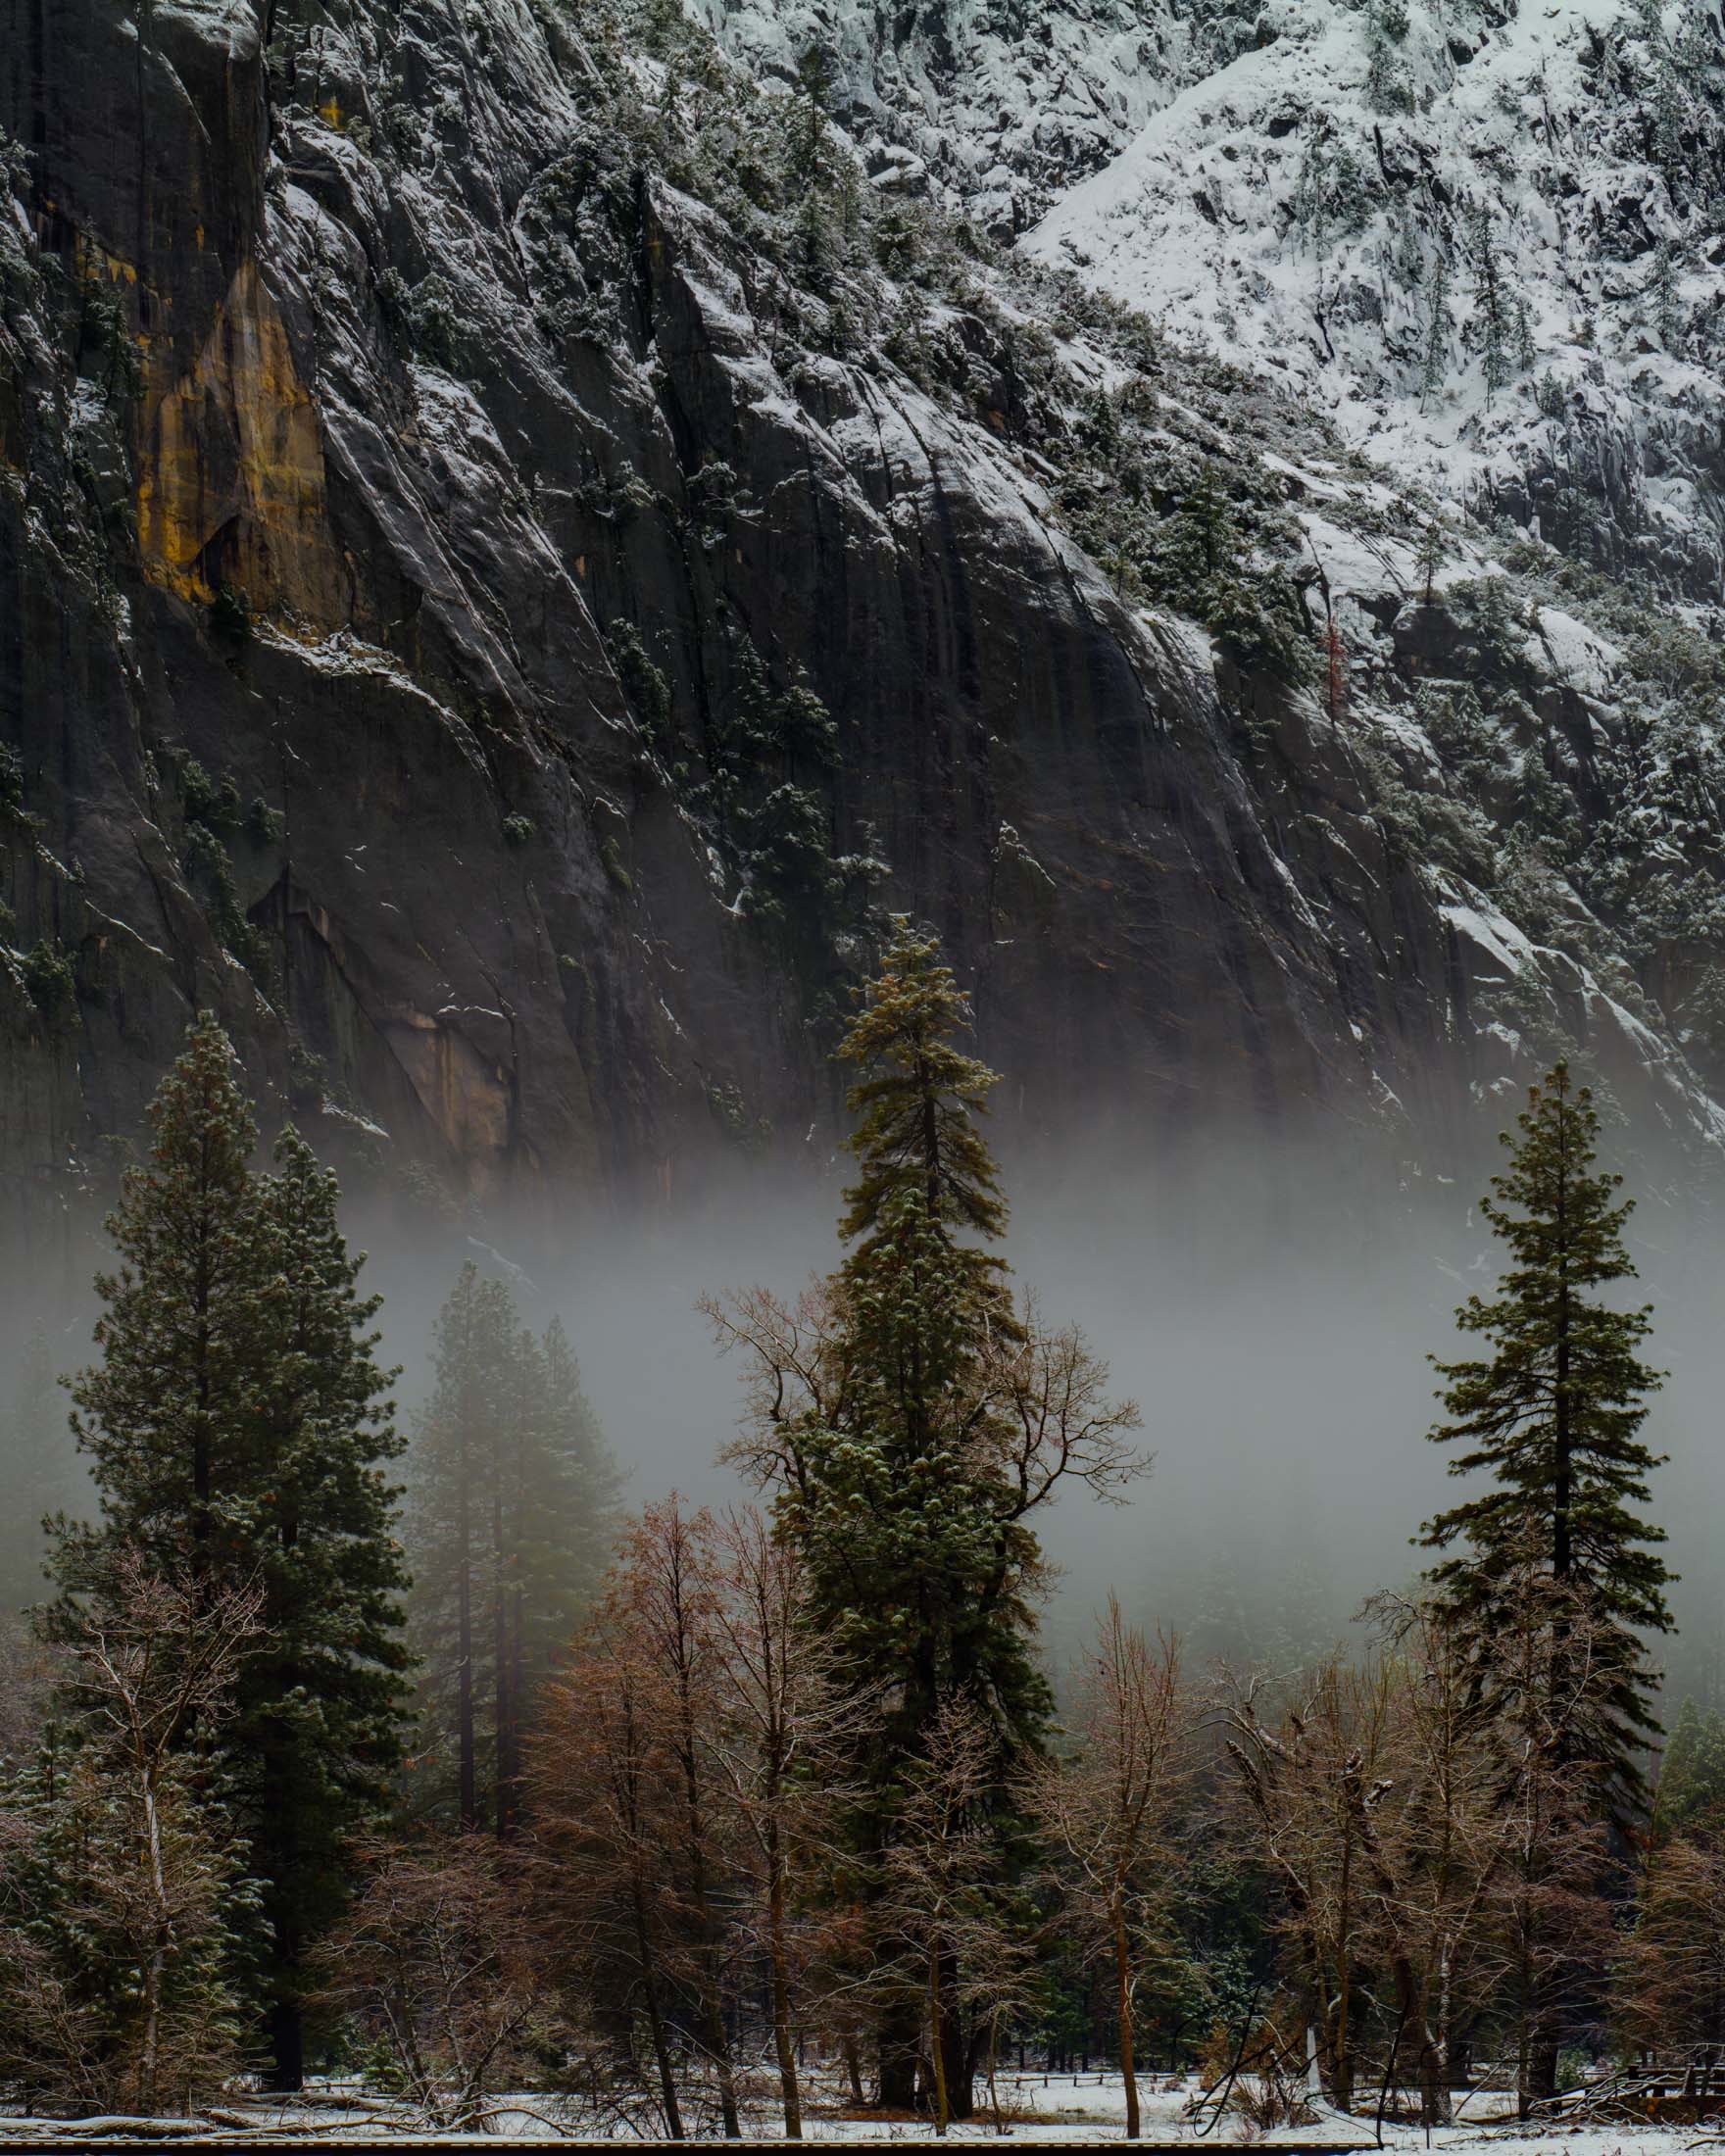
x=410 y=504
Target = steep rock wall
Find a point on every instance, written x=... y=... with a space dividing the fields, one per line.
x=352 y=394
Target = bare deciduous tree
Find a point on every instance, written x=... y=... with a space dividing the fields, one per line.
x=118 y=1879
x=1109 y=1810
x=438 y=1962
x=1303 y=1783
x=664 y=1583
x=600 y=1773
x=1670 y=1973
x=778 y=1741
x=940 y=1927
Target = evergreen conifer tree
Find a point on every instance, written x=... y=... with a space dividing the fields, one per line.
x=460 y=1450
x=919 y=1573
x=319 y=1713
x=1691 y=1788
x=910 y=1434
x=1440 y=330
x=1497 y=327
x=516 y=1508
x=1554 y=1418
x=807 y=151
x=41 y=1468
x=577 y=1501
x=1387 y=85
x=169 y=1416
x=236 y=1435
x=926 y=1309
x=1429 y=557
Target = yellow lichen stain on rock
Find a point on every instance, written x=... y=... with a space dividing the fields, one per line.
x=467 y=1101
x=231 y=470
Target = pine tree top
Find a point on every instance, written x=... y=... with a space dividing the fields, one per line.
x=1568 y=1221
x=919 y=1097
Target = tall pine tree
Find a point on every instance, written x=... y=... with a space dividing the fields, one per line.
x=458 y=1451
x=1553 y=1417
x=320 y=1707
x=515 y=1512
x=237 y=1435
x=910 y=1421
x=168 y=1418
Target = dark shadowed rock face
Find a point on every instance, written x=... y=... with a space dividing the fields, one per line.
x=326 y=477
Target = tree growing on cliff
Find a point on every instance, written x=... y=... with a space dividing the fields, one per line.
x=1428 y=559
x=1494 y=315
x=1440 y=330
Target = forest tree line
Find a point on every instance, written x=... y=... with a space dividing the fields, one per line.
x=420 y=1763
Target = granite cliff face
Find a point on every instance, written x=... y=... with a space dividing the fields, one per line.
x=501 y=629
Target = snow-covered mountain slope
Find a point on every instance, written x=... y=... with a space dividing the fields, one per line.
x=1461 y=265
x=1486 y=240
x=527 y=542
x=1002 y=104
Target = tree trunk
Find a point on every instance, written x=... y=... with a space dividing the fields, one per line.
x=1123 y=2007
x=668 y=2084
x=469 y=1774
x=900 y=2028
x=936 y=2045
x=156 y=1969
x=853 y=2065
x=1342 y=2073
x=712 y=2011
x=287 y=2046
x=779 y=1962
x=958 y=2072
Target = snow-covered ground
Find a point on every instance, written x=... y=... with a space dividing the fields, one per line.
x=1071 y=2110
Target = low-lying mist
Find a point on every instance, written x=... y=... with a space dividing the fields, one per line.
x=1270 y=1303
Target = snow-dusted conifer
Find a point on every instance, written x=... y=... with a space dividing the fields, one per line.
x=1554 y=1418
x=236 y=1437
x=320 y=1707
x=1440 y=330
x=909 y=1419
